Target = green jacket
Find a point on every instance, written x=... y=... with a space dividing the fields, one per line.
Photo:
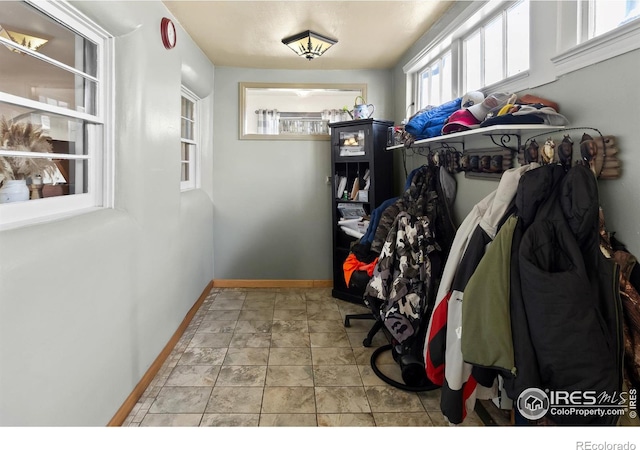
x=486 y=319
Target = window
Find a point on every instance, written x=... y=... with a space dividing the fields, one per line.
x=498 y=48
x=486 y=44
x=188 y=141
x=435 y=82
x=52 y=110
x=604 y=16
x=603 y=29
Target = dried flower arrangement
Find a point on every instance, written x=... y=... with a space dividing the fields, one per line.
x=24 y=137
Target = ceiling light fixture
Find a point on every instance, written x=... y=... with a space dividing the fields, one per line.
x=308 y=44
x=30 y=42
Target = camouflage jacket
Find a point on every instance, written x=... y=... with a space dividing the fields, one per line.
x=401 y=278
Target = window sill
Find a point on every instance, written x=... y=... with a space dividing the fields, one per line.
x=47 y=218
x=514 y=83
x=614 y=43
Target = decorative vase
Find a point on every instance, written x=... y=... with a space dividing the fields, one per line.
x=14 y=191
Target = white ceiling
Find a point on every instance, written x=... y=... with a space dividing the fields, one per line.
x=370 y=34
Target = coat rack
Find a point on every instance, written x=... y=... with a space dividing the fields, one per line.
x=597 y=151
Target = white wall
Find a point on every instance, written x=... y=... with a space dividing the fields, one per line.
x=87 y=303
x=272 y=203
x=604 y=96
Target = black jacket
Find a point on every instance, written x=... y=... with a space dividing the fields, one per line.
x=565 y=303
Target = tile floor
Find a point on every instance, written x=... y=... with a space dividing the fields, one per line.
x=280 y=357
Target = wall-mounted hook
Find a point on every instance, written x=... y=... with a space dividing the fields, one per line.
x=435 y=158
x=588 y=151
x=548 y=151
x=531 y=153
x=565 y=152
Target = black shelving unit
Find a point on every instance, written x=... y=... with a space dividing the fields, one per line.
x=357 y=146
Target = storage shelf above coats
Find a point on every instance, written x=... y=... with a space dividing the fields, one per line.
x=469 y=149
x=503 y=132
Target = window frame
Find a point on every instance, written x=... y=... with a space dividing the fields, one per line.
x=450 y=37
x=427 y=67
x=577 y=50
x=193 y=160
x=501 y=13
x=99 y=154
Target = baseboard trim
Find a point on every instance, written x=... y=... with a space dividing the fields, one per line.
x=272 y=283
x=122 y=413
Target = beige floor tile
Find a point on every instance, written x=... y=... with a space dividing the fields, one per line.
x=291 y=400
x=217 y=326
x=290 y=298
x=430 y=399
x=253 y=326
x=340 y=375
x=314 y=307
x=384 y=357
x=290 y=314
x=230 y=314
x=390 y=399
x=226 y=304
x=193 y=376
x=291 y=362
x=230 y=294
x=250 y=340
x=472 y=420
x=181 y=400
x=370 y=378
x=260 y=294
x=143 y=409
x=329 y=340
x=350 y=399
x=324 y=314
x=132 y=414
x=346 y=420
x=151 y=391
x=227 y=400
x=290 y=326
x=291 y=303
x=248 y=356
x=171 y=420
x=242 y=376
x=352 y=308
x=359 y=325
x=438 y=419
x=326 y=326
x=259 y=303
x=230 y=420
x=294 y=339
x=256 y=314
x=203 y=356
x=291 y=356
x=406 y=419
x=319 y=294
x=290 y=376
x=214 y=340
x=322 y=356
x=363 y=354
x=288 y=420
x=357 y=338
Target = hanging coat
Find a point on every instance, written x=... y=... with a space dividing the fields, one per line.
x=406 y=277
x=570 y=294
x=401 y=277
x=442 y=351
